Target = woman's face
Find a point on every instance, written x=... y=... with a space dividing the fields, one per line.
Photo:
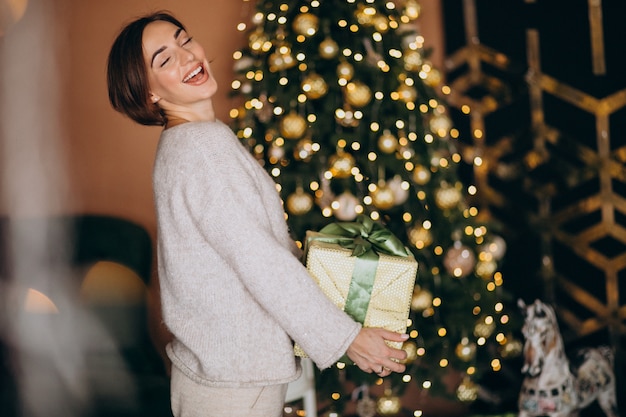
x=178 y=71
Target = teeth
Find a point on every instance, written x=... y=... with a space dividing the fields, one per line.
x=193 y=74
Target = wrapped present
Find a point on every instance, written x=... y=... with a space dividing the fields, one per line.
x=365 y=270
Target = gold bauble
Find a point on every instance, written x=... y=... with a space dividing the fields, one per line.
x=358 y=94
x=411 y=352
x=388 y=405
x=328 y=48
x=306 y=24
x=422 y=299
x=314 y=86
x=433 y=78
x=440 y=125
x=383 y=197
x=293 y=126
x=412 y=60
x=467 y=391
x=407 y=93
x=345 y=71
x=512 y=348
x=299 y=203
x=341 y=164
x=387 y=142
x=486 y=269
x=447 y=197
x=381 y=23
x=303 y=151
x=364 y=15
x=420 y=237
x=484 y=328
x=412 y=9
x=281 y=59
x=259 y=41
x=465 y=350
x=421 y=175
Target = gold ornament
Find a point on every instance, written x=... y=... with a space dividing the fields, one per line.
x=486 y=269
x=422 y=299
x=512 y=348
x=259 y=41
x=306 y=24
x=383 y=197
x=433 y=78
x=387 y=142
x=407 y=93
x=447 y=197
x=314 y=86
x=420 y=237
x=467 y=391
x=412 y=9
x=292 y=125
x=358 y=94
x=412 y=60
x=303 y=151
x=484 y=327
x=421 y=175
x=299 y=203
x=465 y=350
x=345 y=71
x=365 y=15
x=341 y=164
x=459 y=260
x=281 y=59
x=440 y=125
x=388 y=404
x=411 y=352
x=381 y=23
x=328 y=48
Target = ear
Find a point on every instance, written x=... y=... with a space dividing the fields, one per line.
x=154 y=98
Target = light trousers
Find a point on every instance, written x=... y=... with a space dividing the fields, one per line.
x=190 y=399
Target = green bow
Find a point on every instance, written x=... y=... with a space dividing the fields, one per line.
x=367 y=239
x=362 y=236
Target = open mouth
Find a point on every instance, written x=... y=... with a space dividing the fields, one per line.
x=193 y=74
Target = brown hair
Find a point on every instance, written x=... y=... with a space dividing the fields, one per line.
x=127 y=76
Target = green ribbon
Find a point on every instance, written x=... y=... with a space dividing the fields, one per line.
x=367 y=239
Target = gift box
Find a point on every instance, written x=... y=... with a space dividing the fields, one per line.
x=364 y=270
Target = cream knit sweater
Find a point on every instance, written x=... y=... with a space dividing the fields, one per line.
x=234 y=293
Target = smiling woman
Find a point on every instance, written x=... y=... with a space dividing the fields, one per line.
x=224 y=249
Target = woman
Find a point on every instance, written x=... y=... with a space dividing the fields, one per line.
x=234 y=294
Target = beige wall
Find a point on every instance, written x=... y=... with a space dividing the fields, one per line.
x=109 y=158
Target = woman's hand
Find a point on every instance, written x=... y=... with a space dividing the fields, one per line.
x=370 y=353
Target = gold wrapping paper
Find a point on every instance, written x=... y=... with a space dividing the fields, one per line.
x=331 y=267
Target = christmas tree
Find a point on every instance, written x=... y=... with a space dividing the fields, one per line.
x=339 y=102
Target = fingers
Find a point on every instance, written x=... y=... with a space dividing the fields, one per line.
x=372 y=354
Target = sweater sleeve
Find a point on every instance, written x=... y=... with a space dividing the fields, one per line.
x=230 y=203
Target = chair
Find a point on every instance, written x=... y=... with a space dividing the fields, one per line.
x=304 y=388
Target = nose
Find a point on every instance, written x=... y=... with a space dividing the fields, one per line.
x=186 y=55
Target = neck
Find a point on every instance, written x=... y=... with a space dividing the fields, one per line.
x=199 y=113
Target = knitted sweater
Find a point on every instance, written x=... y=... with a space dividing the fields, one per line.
x=234 y=292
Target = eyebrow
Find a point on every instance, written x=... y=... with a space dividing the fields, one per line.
x=163 y=48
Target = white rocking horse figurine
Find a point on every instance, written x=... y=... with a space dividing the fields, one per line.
x=552 y=386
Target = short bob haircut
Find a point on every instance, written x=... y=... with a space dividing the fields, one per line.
x=127 y=76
